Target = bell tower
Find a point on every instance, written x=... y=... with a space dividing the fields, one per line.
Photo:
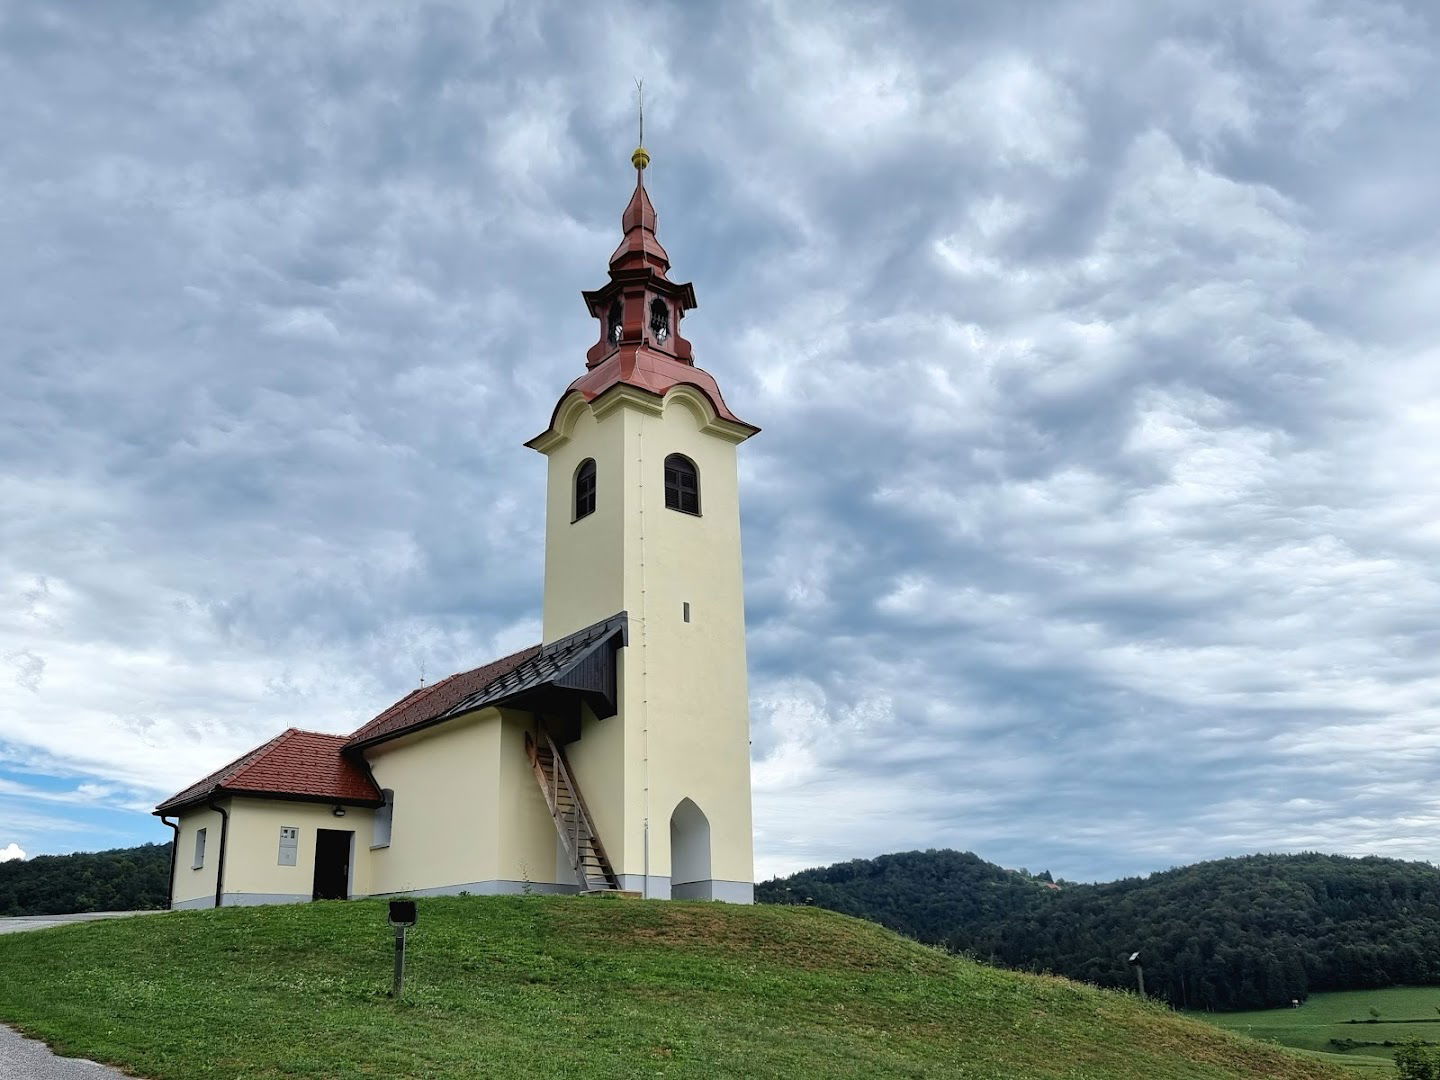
x=643 y=517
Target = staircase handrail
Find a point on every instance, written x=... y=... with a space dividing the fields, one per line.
x=561 y=773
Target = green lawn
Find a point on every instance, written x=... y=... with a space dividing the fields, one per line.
x=1405 y=1013
x=540 y=987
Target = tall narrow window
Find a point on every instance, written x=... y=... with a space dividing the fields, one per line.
x=615 y=323
x=384 y=819
x=682 y=484
x=199 y=859
x=585 y=489
x=659 y=320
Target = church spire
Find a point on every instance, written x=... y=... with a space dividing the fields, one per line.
x=639 y=311
x=640 y=247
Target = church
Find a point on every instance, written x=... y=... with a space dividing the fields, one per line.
x=613 y=756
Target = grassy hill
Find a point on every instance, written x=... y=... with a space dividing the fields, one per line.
x=542 y=987
x=1239 y=933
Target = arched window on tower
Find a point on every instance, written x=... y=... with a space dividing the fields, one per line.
x=585 y=489
x=615 y=323
x=659 y=320
x=682 y=484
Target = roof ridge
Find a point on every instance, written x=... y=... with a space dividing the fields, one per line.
x=423 y=703
x=416 y=695
x=216 y=779
x=224 y=773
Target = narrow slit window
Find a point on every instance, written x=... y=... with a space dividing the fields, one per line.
x=659 y=320
x=615 y=325
x=585 y=489
x=199 y=859
x=685 y=610
x=682 y=484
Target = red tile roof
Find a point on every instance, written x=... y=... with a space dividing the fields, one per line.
x=295 y=764
x=310 y=765
x=420 y=706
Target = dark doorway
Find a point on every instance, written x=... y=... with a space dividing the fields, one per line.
x=332 y=864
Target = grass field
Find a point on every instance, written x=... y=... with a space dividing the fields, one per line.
x=545 y=987
x=1405 y=1013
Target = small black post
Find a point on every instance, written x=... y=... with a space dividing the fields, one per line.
x=402 y=917
x=399 y=987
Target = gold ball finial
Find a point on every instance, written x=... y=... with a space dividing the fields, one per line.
x=640 y=158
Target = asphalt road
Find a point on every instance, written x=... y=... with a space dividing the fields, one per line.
x=26 y=1059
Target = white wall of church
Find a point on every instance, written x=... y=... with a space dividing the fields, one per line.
x=527 y=831
x=581 y=557
x=683 y=731
x=191 y=887
x=253 y=870
x=697 y=688
x=445 y=831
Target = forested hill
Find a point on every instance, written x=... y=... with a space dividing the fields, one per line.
x=125 y=879
x=1231 y=934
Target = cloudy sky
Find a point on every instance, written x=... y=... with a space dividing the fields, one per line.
x=1094 y=525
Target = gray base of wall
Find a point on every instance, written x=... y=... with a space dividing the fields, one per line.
x=241 y=899
x=659 y=888
x=255 y=899
x=730 y=892
x=491 y=888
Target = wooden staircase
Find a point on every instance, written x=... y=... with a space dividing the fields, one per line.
x=572 y=819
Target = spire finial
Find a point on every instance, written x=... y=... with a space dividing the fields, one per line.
x=641 y=157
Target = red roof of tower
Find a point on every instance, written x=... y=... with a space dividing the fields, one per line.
x=640 y=247
x=636 y=356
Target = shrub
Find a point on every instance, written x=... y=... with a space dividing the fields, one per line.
x=1414 y=1061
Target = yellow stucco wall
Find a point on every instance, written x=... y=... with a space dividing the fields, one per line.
x=579 y=587
x=253 y=873
x=444 y=831
x=683 y=731
x=191 y=885
x=252 y=862
x=527 y=831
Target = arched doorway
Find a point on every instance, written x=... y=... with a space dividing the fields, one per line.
x=689 y=853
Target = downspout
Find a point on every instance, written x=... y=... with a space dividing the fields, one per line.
x=644 y=665
x=174 y=854
x=224 y=835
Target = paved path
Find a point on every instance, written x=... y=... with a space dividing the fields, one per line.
x=26 y=1059
x=15 y=924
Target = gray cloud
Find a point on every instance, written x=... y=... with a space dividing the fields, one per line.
x=1092 y=525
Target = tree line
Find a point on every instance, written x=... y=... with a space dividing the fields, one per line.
x=1244 y=933
x=124 y=879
